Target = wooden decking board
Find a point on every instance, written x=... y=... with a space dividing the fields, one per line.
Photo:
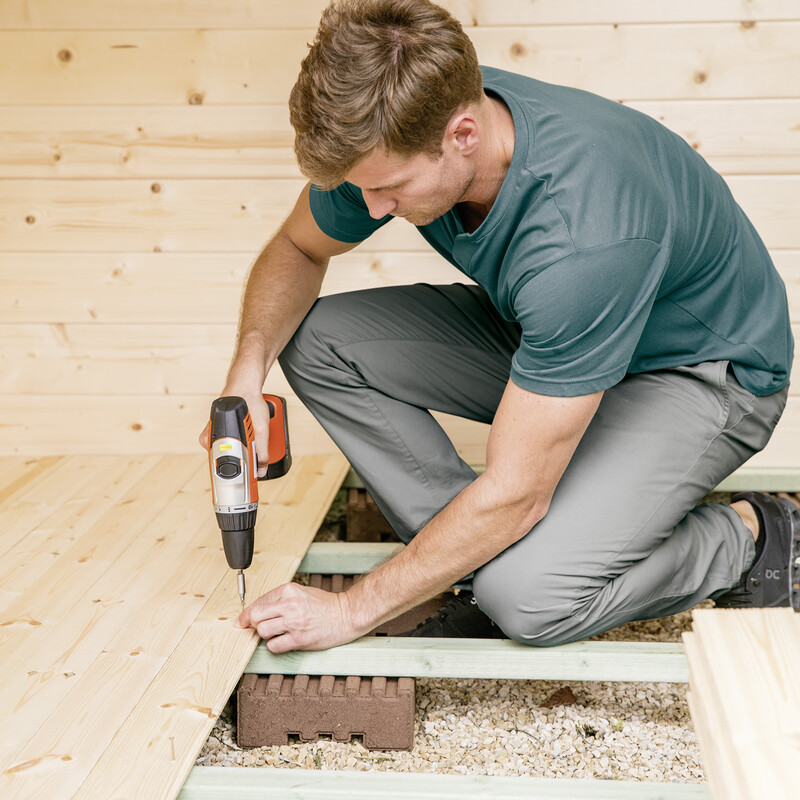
x=183 y=701
x=745 y=682
x=185 y=564
x=48 y=601
x=78 y=698
x=16 y=472
x=46 y=489
x=23 y=564
x=53 y=659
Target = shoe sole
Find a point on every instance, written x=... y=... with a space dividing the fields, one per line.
x=794 y=553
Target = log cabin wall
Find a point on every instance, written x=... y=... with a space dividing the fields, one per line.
x=145 y=159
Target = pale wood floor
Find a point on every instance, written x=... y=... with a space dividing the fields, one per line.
x=117 y=644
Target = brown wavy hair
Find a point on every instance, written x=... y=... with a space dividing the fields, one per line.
x=387 y=73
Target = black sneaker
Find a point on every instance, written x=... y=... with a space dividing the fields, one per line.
x=459 y=617
x=773 y=579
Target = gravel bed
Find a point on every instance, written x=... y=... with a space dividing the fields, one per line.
x=612 y=731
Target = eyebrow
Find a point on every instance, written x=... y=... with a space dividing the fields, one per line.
x=390 y=186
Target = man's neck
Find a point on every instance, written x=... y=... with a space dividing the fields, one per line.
x=497 y=149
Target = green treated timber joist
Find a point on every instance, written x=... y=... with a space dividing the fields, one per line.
x=756 y=479
x=270 y=783
x=483 y=658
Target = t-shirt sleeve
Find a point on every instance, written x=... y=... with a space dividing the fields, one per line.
x=342 y=214
x=582 y=317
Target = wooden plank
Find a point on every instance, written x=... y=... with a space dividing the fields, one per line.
x=751 y=673
x=175 y=567
x=44 y=492
x=42 y=607
x=236 y=215
x=24 y=472
x=721 y=60
x=723 y=774
x=34 y=553
x=736 y=137
x=240 y=215
x=482 y=658
x=146 y=142
x=272 y=783
x=183 y=701
x=149 y=288
x=155 y=584
x=239 y=14
x=347 y=558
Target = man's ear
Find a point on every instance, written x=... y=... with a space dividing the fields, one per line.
x=463 y=132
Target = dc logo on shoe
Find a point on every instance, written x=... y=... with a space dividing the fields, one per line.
x=772 y=574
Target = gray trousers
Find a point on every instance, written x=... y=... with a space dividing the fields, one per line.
x=623 y=539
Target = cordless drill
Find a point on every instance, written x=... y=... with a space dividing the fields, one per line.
x=234 y=473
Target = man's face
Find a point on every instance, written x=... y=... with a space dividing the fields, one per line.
x=416 y=188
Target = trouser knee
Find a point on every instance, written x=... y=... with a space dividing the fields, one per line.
x=543 y=623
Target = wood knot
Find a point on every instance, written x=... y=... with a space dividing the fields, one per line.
x=65 y=56
x=747 y=24
x=66 y=758
x=30 y=219
x=56 y=156
x=196 y=98
x=700 y=77
x=518 y=50
x=136 y=426
x=696 y=145
x=155 y=188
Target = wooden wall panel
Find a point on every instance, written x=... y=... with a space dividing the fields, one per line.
x=238 y=216
x=623 y=62
x=245 y=14
x=735 y=136
x=145 y=158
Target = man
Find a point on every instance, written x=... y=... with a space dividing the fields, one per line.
x=628 y=340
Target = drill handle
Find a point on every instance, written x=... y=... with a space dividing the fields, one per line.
x=280 y=457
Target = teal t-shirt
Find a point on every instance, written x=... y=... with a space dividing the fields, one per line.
x=612 y=244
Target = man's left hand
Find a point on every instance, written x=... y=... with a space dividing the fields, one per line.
x=295 y=617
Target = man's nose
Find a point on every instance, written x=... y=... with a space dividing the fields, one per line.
x=378 y=206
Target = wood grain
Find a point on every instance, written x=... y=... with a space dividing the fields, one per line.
x=745 y=684
x=186 y=697
x=240 y=215
x=158 y=142
x=240 y=14
x=218 y=66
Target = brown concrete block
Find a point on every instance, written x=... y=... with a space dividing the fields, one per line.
x=271 y=708
x=364 y=521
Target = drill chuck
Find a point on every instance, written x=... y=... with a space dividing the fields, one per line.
x=238 y=544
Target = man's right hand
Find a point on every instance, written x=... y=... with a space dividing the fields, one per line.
x=259 y=415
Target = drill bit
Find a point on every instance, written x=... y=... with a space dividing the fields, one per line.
x=242 y=590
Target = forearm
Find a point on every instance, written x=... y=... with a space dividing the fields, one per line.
x=481 y=522
x=281 y=288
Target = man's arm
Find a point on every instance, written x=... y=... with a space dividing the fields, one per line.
x=530 y=444
x=282 y=286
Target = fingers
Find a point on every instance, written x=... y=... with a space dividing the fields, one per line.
x=205 y=436
x=259 y=414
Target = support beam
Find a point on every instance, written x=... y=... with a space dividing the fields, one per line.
x=271 y=783
x=483 y=658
